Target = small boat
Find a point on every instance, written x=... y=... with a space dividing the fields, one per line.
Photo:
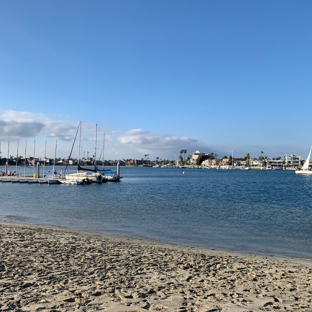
x=109 y=175
x=43 y=180
x=33 y=180
x=53 y=181
x=85 y=177
x=306 y=166
x=72 y=182
x=23 y=180
x=112 y=177
x=75 y=182
x=6 y=179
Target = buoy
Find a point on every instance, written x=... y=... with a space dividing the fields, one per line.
x=183 y=172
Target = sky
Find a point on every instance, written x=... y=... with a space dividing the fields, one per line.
x=155 y=77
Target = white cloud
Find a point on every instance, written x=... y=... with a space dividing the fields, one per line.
x=18 y=125
x=166 y=145
x=133 y=143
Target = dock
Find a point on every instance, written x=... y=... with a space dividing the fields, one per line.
x=24 y=179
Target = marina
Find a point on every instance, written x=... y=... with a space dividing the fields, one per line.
x=68 y=175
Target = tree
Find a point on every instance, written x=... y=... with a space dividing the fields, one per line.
x=265 y=160
x=261 y=157
x=230 y=160
x=181 y=160
x=200 y=159
x=247 y=159
x=183 y=151
x=247 y=156
x=212 y=155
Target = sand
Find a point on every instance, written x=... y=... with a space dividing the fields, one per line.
x=56 y=269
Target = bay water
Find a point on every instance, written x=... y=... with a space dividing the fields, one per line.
x=252 y=211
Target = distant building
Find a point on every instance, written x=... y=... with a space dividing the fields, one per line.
x=194 y=156
x=257 y=163
x=211 y=162
x=292 y=160
x=275 y=163
x=225 y=161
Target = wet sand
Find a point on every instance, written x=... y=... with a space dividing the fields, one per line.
x=56 y=269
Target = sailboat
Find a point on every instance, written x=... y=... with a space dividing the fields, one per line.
x=108 y=174
x=91 y=176
x=305 y=168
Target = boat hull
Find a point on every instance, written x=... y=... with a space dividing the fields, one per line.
x=84 y=178
x=307 y=172
x=53 y=181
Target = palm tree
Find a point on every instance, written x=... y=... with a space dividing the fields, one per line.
x=247 y=158
x=183 y=151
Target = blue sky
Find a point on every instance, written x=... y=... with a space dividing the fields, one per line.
x=156 y=77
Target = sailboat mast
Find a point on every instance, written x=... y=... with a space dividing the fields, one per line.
x=95 y=147
x=79 y=147
x=45 y=156
x=17 y=155
x=34 y=156
x=25 y=159
x=103 y=149
x=7 y=166
x=72 y=148
x=54 y=158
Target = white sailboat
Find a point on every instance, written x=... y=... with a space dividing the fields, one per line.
x=305 y=168
x=91 y=176
x=108 y=174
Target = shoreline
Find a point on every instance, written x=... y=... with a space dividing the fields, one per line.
x=54 y=268
x=142 y=238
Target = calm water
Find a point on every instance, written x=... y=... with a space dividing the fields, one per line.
x=266 y=212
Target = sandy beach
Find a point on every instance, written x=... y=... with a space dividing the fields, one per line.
x=55 y=269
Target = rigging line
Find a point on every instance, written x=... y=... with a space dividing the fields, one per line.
x=72 y=146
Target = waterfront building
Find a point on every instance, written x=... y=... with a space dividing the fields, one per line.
x=275 y=163
x=194 y=156
x=292 y=161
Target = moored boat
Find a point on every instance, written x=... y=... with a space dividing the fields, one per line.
x=44 y=180
x=33 y=180
x=6 y=179
x=85 y=177
x=306 y=166
x=23 y=180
